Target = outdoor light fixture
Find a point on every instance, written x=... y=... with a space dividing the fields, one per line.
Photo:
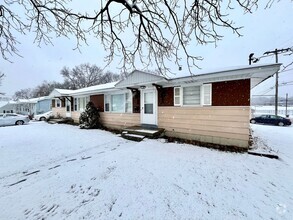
x=142 y=87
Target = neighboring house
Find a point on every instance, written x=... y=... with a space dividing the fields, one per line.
x=211 y=107
x=8 y=107
x=28 y=106
x=44 y=104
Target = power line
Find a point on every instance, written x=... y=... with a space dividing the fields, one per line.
x=275 y=52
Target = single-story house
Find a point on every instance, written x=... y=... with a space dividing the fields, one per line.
x=212 y=107
x=8 y=107
x=28 y=106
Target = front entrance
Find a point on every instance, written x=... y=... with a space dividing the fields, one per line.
x=68 y=107
x=149 y=107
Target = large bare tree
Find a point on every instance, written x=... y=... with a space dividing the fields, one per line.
x=23 y=94
x=138 y=31
x=85 y=75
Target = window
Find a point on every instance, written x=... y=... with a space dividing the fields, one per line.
x=128 y=102
x=58 y=103
x=177 y=96
x=207 y=94
x=75 y=104
x=148 y=103
x=107 y=103
x=80 y=103
x=118 y=102
x=191 y=95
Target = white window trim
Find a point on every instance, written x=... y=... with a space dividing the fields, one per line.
x=180 y=96
x=201 y=96
x=124 y=100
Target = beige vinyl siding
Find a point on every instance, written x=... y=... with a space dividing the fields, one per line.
x=219 y=125
x=75 y=116
x=59 y=111
x=119 y=120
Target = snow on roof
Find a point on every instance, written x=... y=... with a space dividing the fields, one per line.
x=60 y=92
x=95 y=88
x=32 y=100
x=65 y=91
x=2 y=103
x=26 y=101
x=82 y=91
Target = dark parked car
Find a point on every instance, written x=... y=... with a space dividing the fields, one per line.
x=271 y=119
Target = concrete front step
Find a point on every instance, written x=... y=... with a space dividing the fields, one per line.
x=142 y=131
x=132 y=137
x=61 y=121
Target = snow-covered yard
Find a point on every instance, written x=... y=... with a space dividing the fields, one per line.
x=62 y=172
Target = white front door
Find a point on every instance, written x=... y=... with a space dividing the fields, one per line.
x=68 y=108
x=149 y=107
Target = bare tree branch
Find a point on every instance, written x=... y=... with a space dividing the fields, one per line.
x=139 y=32
x=1 y=78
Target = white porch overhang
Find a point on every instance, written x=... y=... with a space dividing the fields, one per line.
x=58 y=93
x=138 y=78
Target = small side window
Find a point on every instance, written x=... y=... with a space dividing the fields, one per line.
x=207 y=94
x=75 y=104
x=107 y=103
x=177 y=96
x=58 y=103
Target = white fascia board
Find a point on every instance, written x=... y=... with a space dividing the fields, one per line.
x=262 y=72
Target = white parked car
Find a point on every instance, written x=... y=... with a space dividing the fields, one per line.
x=43 y=117
x=13 y=119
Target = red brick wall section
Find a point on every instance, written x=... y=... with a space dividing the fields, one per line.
x=231 y=93
x=98 y=101
x=136 y=102
x=166 y=96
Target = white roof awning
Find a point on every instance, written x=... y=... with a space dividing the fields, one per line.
x=138 y=78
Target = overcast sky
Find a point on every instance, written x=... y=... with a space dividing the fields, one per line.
x=263 y=31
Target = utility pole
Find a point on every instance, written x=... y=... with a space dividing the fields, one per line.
x=287 y=105
x=276 y=52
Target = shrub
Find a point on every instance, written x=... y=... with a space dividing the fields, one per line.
x=90 y=118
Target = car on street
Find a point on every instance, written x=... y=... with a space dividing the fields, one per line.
x=43 y=117
x=271 y=119
x=13 y=119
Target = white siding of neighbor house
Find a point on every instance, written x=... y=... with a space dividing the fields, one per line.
x=219 y=125
x=75 y=116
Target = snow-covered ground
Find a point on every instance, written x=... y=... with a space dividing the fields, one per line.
x=62 y=172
